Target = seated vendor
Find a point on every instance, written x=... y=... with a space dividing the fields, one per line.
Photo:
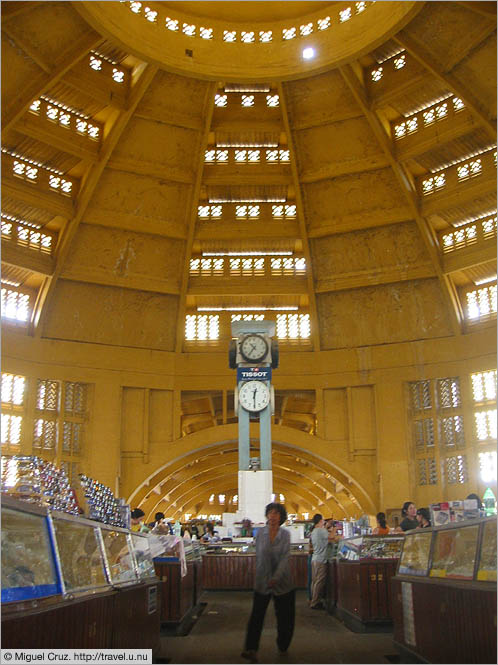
x=210 y=535
x=137 y=521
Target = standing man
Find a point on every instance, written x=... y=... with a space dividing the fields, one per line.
x=319 y=540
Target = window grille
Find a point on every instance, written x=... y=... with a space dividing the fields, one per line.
x=456 y=470
x=293 y=326
x=487 y=466
x=485 y=423
x=420 y=392
x=484 y=386
x=265 y=36
x=448 y=393
x=451 y=432
x=481 y=303
x=13 y=389
x=202 y=327
x=424 y=433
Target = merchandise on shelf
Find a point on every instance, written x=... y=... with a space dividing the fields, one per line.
x=101 y=504
x=35 y=480
x=370 y=547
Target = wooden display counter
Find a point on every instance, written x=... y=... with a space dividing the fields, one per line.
x=236 y=571
x=444 y=593
x=442 y=621
x=180 y=595
x=364 y=594
x=126 y=618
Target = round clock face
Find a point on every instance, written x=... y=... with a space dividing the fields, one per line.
x=254 y=348
x=254 y=395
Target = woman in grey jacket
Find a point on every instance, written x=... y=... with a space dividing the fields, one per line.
x=273 y=578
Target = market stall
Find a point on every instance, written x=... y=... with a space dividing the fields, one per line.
x=444 y=593
x=362 y=586
x=70 y=582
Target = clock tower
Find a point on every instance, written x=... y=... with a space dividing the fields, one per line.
x=254 y=353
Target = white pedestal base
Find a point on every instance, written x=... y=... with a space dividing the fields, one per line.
x=255 y=490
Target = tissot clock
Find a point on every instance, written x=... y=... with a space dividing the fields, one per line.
x=253 y=348
x=254 y=396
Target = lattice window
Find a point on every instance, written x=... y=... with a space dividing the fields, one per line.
x=456 y=470
x=345 y=14
x=135 y=7
x=247 y=266
x=25 y=171
x=207 y=267
x=75 y=396
x=247 y=211
x=229 y=36
x=72 y=435
x=221 y=100
x=306 y=29
x=470 y=169
x=399 y=61
x=247 y=37
x=462 y=237
x=206 y=33
x=376 y=74
x=458 y=104
x=293 y=326
x=16 y=305
x=150 y=15
x=420 y=394
x=289 y=33
x=424 y=434
x=287 y=265
x=283 y=211
x=265 y=36
x=485 y=423
x=323 y=23
x=202 y=327
x=426 y=471
x=487 y=466
x=95 y=63
x=189 y=29
x=247 y=317
x=484 y=386
x=360 y=7
x=210 y=211
x=451 y=432
x=481 y=303
x=118 y=75
x=272 y=101
x=247 y=100
x=434 y=183
x=45 y=435
x=489 y=228
x=448 y=393
x=172 y=24
x=58 y=183
x=48 y=395
x=13 y=389
x=11 y=429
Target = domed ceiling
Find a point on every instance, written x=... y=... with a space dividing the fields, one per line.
x=157 y=184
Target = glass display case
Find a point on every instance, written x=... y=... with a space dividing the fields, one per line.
x=416 y=552
x=486 y=571
x=143 y=556
x=28 y=569
x=459 y=551
x=454 y=552
x=118 y=550
x=370 y=547
x=79 y=553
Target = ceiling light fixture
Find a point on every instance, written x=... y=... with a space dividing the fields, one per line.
x=291 y=308
x=486 y=280
x=308 y=53
x=247 y=253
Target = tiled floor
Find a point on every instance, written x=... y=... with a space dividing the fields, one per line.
x=218 y=636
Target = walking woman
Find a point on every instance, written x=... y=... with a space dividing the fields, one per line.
x=272 y=579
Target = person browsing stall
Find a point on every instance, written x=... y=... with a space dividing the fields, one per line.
x=320 y=538
x=409 y=514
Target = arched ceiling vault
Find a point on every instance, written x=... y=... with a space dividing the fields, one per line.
x=187 y=480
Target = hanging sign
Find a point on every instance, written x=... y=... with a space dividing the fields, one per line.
x=253 y=373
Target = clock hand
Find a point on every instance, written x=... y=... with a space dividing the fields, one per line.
x=254 y=396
